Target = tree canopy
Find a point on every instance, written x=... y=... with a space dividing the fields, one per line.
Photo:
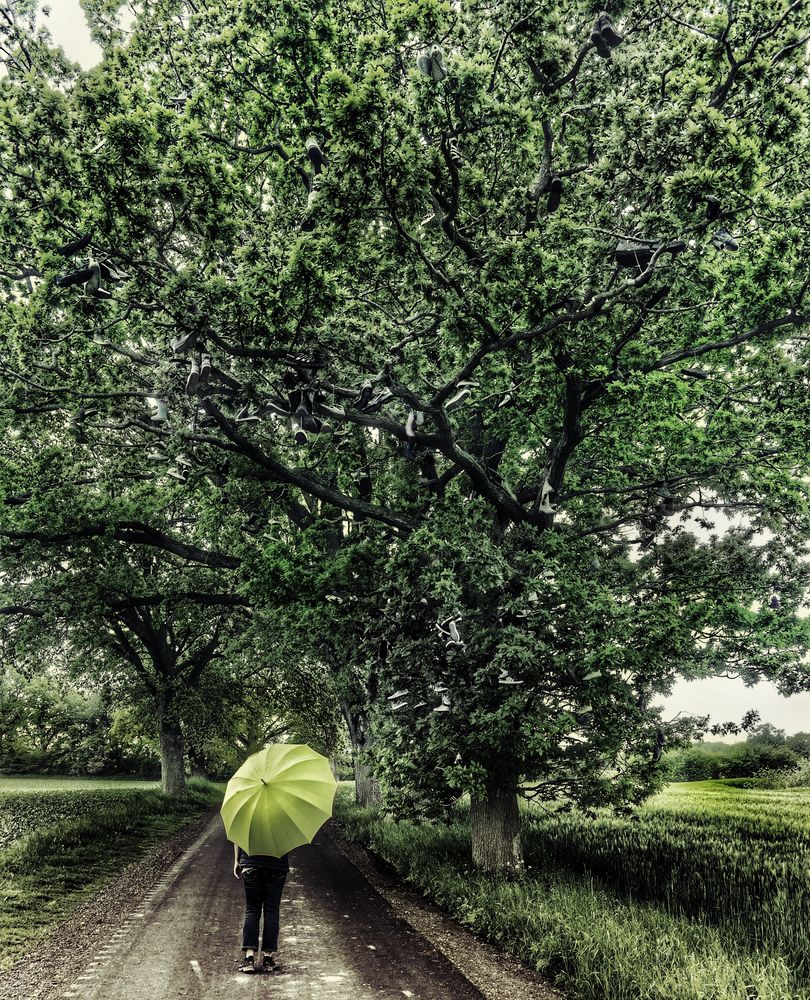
x=507 y=302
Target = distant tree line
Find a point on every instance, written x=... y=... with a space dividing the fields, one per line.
x=52 y=723
x=766 y=749
x=48 y=727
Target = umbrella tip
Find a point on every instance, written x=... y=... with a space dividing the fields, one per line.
x=264 y=782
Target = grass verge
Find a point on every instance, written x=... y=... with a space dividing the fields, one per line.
x=46 y=873
x=586 y=938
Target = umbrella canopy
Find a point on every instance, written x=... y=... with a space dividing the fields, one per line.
x=278 y=799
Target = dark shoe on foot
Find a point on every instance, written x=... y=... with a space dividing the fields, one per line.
x=268 y=963
x=248 y=964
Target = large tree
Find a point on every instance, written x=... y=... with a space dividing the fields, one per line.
x=598 y=325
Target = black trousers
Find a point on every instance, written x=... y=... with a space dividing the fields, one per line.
x=263 y=890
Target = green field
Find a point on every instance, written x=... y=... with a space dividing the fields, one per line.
x=62 y=839
x=704 y=894
x=37 y=783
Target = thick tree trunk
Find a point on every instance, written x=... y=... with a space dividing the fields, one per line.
x=172 y=772
x=495 y=827
x=198 y=769
x=333 y=767
x=367 y=790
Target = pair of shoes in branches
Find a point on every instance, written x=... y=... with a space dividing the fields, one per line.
x=370 y=402
x=199 y=374
x=431 y=64
x=91 y=277
x=302 y=404
x=603 y=35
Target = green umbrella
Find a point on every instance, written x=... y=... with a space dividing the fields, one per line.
x=278 y=799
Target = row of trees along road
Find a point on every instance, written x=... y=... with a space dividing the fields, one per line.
x=415 y=368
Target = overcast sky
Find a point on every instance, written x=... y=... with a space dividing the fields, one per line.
x=722 y=699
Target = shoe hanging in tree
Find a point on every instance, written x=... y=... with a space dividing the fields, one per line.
x=431 y=63
x=205 y=371
x=712 y=208
x=159 y=409
x=600 y=42
x=184 y=342
x=315 y=154
x=430 y=475
x=375 y=403
x=554 y=194
x=89 y=276
x=605 y=28
x=723 y=240
x=445 y=705
x=193 y=377
x=299 y=434
x=456 y=400
x=109 y=273
x=75 y=246
x=179 y=101
x=364 y=396
x=506 y=679
x=633 y=253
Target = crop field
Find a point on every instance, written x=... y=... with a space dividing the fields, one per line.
x=37 y=783
x=705 y=893
x=735 y=858
x=62 y=839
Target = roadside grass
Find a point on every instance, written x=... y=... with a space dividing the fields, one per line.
x=87 y=836
x=585 y=932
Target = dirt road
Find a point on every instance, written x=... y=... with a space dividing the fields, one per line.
x=339 y=938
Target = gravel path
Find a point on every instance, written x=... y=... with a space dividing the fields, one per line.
x=169 y=927
x=56 y=961
x=498 y=976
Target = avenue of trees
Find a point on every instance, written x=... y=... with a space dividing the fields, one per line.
x=413 y=356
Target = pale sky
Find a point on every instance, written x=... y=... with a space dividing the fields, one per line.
x=723 y=699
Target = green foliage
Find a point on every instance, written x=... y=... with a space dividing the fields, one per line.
x=765 y=750
x=574 y=928
x=560 y=529
x=47 y=725
x=26 y=812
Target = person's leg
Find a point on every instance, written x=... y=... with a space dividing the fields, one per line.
x=253 y=908
x=272 y=901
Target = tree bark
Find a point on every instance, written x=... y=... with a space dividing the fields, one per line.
x=367 y=791
x=172 y=772
x=198 y=769
x=495 y=827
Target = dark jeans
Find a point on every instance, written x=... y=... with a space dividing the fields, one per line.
x=262 y=891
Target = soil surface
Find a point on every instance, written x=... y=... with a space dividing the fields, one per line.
x=178 y=935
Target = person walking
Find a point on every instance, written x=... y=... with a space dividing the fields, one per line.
x=263 y=876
